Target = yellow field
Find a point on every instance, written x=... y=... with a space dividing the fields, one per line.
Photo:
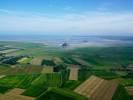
x=37 y=61
x=47 y=69
x=73 y=73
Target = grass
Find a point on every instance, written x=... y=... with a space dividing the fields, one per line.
x=105 y=74
x=24 y=60
x=121 y=94
x=71 y=84
x=11 y=80
x=126 y=81
x=35 y=90
x=84 y=74
x=26 y=82
x=48 y=62
x=33 y=49
x=49 y=79
x=105 y=56
x=101 y=59
x=21 y=81
x=41 y=84
x=60 y=94
x=4 y=68
x=4 y=89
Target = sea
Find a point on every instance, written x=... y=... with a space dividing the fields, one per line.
x=72 y=40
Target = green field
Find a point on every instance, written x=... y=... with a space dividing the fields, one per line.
x=21 y=81
x=60 y=94
x=40 y=84
x=121 y=94
x=104 y=62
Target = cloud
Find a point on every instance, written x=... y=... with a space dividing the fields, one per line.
x=83 y=23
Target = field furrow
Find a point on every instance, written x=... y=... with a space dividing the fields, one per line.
x=97 y=89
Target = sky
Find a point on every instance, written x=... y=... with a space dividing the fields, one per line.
x=80 y=17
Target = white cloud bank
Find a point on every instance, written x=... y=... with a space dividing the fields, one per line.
x=86 y=23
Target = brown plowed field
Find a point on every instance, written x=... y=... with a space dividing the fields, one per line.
x=28 y=69
x=97 y=89
x=15 y=94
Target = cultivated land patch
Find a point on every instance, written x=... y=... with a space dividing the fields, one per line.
x=37 y=61
x=25 y=60
x=51 y=60
x=15 y=94
x=73 y=73
x=28 y=69
x=9 y=51
x=129 y=90
x=57 y=60
x=22 y=59
x=48 y=69
x=82 y=62
x=97 y=89
x=1 y=76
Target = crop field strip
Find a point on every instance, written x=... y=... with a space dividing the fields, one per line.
x=37 y=61
x=97 y=89
x=83 y=86
x=15 y=94
x=110 y=92
x=82 y=62
x=47 y=69
x=73 y=73
x=57 y=60
x=1 y=76
x=24 y=60
x=23 y=75
x=105 y=91
x=9 y=51
x=98 y=93
x=22 y=70
x=89 y=87
x=92 y=87
x=20 y=81
x=129 y=90
x=3 y=72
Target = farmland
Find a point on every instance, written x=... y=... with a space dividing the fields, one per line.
x=73 y=73
x=47 y=70
x=15 y=94
x=40 y=71
x=129 y=90
x=97 y=89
